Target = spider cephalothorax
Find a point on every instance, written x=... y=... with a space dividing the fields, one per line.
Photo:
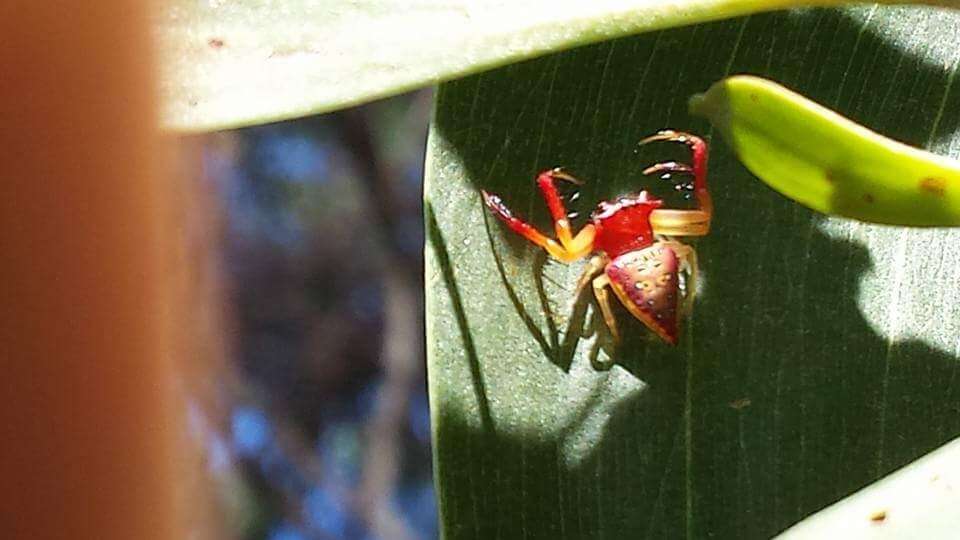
x=652 y=274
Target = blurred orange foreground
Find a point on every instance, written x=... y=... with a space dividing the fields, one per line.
x=86 y=303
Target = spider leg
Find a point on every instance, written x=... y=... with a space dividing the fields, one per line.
x=698 y=148
x=668 y=167
x=684 y=222
x=583 y=241
x=671 y=222
x=600 y=284
x=595 y=265
x=570 y=247
x=523 y=228
x=691 y=267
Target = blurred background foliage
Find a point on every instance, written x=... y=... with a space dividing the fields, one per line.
x=308 y=433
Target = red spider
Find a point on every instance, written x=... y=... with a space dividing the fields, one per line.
x=632 y=237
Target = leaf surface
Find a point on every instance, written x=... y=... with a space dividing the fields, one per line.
x=821 y=355
x=234 y=63
x=919 y=501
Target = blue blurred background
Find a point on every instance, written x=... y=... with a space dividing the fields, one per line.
x=319 y=425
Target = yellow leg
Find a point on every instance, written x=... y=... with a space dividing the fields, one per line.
x=680 y=222
x=691 y=267
x=684 y=222
x=579 y=245
x=566 y=248
x=575 y=246
x=600 y=291
x=595 y=265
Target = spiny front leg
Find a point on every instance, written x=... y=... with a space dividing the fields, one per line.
x=523 y=228
x=695 y=222
x=570 y=247
x=583 y=241
x=698 y=148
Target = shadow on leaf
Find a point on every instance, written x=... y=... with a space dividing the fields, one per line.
x=781 y=397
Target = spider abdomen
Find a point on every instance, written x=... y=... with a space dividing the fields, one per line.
x=647 y=283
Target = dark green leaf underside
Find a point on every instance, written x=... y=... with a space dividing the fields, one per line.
x=822 y=353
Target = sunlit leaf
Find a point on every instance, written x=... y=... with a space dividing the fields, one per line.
x=232 y=63
x=822 y=354
x=919 y=501
x=823 y=160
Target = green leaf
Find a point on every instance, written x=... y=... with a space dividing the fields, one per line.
x=232 y=63
x=822 y=354
x=825 y=161
x=919 y=501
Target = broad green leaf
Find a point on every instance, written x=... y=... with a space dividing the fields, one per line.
x=822 y=354
x=918 y=502
x=827 y=162
x=232 y=63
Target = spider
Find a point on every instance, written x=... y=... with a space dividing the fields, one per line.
x=632 y=239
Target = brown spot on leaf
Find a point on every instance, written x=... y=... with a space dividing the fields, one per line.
x=879 y=516
x=868 y=198
x=740 y=403
x=933 y=185
x=754 y=98
x=215 y=43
